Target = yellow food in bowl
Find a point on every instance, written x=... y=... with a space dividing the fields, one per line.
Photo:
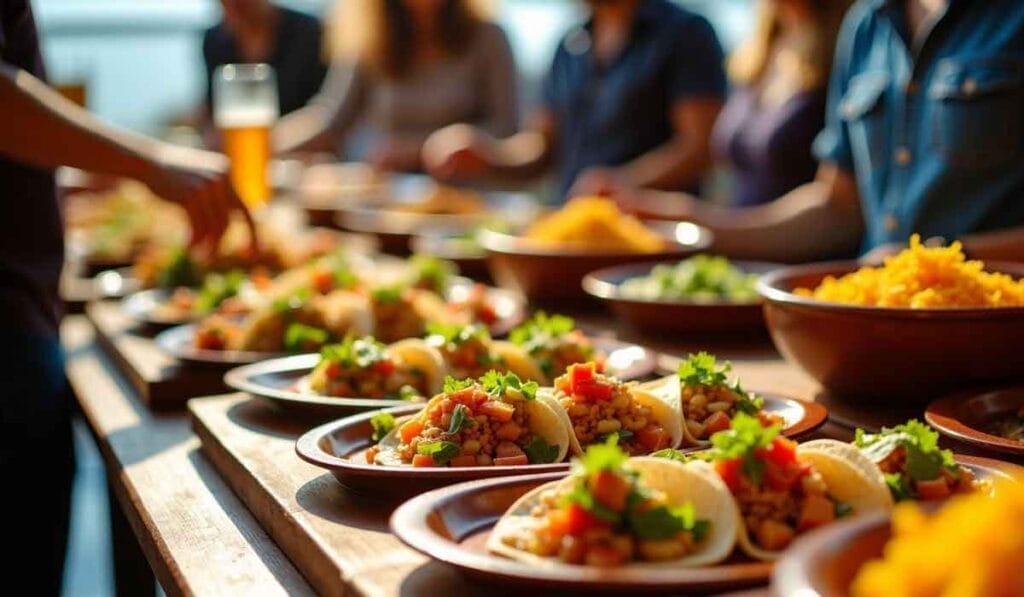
x=595 y=224
x=921 y=277
x=972 y=547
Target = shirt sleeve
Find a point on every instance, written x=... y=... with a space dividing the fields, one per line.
x=696 y=62
x=832 y=144
x=500 y=98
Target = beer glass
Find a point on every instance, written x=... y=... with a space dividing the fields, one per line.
x=244 y=109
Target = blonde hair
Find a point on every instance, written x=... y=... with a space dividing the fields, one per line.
x=813 y=55
x=376 y=33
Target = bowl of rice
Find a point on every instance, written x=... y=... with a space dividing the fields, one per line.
x=548 y=260
x=927 y=321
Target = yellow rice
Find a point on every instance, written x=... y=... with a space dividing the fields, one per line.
x=594 y=223
x=972 y=547
x=921 y=277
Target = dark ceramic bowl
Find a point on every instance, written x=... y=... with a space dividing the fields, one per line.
x=552 y=274
x=903 y=355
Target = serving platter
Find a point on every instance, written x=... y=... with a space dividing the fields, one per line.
x=825 y=561
x=967 y=416
x=150 y=307
x=452 y=525
x=340 y=447
x=671 y=316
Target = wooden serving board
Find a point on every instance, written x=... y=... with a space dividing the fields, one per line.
x=161 y=381
x=340 y=542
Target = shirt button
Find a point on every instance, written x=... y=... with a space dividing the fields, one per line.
x=903 y=156
x=891 y=223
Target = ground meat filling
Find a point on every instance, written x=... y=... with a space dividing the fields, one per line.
x=386 y=379
x=395 y=317
x=947 y=483
x=710 y=409
x=774 y=517
x=556 y=356
x=470 y=357
x=599 y=406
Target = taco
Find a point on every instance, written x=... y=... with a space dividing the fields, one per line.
x=913 y=465
x=364 y=368
x=403 y=312
x=619 y=511
x=469 y=351
x=594 y=406
x=783 y=490
x=554 y=343
x=707 y=400
x=494 y=421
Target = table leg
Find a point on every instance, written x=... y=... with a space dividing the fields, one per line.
x=132 y=574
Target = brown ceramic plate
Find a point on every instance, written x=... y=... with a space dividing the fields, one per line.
x=340 y=447
x=906 y=355
x=968 y=416
x=452 y=524
x=825 y=562
x=553 y=274
x=669 y=316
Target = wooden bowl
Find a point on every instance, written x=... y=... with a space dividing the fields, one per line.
x=968 y=415
x=553 y=275
x=902 y=355
x=664 y=317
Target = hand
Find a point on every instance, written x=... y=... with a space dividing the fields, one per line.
x=601 y=181
x=654 y=205
x=395 y=155
x=457 y=153
x=876 y=256
x=198 y=182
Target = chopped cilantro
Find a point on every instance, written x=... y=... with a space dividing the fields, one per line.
x=408 y=393
x=457 y=334
x=602 y=457
x=299 y=337
x=179 y=270
x=388 y=295
x=441 y=451
x=460 y=420
x=703 y=369
x=452 y=385
x=382 y=424
x=742 y=440
x=680 y=456
x=498 y=384
x=432 y=272
x=217 y=288
x=538 y=332
x=924 y=459
x=355 y=352
x=296 y=300
x=663 y=522
x=540 y=452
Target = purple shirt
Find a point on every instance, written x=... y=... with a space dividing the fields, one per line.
x=768 y=148
x=31 y=234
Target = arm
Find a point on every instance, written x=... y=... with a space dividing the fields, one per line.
x=500 y=95
x=43 y=129
x=814 y=221
x=328 y=116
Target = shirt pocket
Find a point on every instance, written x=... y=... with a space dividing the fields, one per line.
x=862 y=110
x=977 y=111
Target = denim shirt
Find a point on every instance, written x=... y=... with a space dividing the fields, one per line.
x=607 y=115
x=933 y=130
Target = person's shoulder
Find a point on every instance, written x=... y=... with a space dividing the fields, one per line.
x=298 y=21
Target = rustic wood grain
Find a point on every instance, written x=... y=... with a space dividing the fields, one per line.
x=196 y=535
x=160 y=381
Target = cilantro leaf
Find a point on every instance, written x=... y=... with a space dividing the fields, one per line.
x=924 y=459
x=459 y=420
x=537 y=333
x=602 y=457
x=680 y=456
x=539 y=451
x=355 y=352
x=742 y=440
x=498 y=384
x=408 y=392
x=432 y=272
x=217 y=288
x=441 y=451
x=452 y=385
x=703 y=369
x=389 y=295
x=582 y=496
x=663 y=522
x=299 y=337
x=382 y=424
x=293 y=302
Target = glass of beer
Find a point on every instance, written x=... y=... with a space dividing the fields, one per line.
x=244 y=109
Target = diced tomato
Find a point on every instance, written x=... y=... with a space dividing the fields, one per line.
x=594 y=390
x=446 y=405
x=464 y=396
x=781 y=451
x=610 y=490
x=604 y=556
x=384 y=368
x=422 y=460
x=652 y=438
x=935 y=489
x=463 y=460
x=573 y=519
x=512 y=461
x=410 y=430
x=499 y=411
x=816 y=511
x=729 y=471
x=333 y=370
x=781 y=477
x=323 y=281
x=774 y=535
x=719 y=421
x=210 y=340
x=485 y=314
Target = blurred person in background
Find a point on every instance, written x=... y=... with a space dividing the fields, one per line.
x=39 y=131
x=258 y=31
x=407 y=68
x=924 y=133
x=630 y=99
x=777 y=103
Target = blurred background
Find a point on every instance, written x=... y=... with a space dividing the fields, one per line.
x=139 y=64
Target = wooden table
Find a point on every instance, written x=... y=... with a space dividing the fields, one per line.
x=195 y=534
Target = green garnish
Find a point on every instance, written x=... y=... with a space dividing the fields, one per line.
x=408 y=393
x=355 y=352
x=432 y=272
x=296 y=300
x=382 y=424
x=388 y=295
x=498 y=384
x=742 y=440
x=459 y=420
x=441 y=451
x=602 y=457
x=178 y=270
x=299 y=337
x=538 y=332
x=539 y=451
x=663 y=522
x=702 y=278
x=703 y=369
x=455 y=334
x=217 y=288
x=619 y=436
x=680 y=456
x=452 y=385
x=924 y=459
